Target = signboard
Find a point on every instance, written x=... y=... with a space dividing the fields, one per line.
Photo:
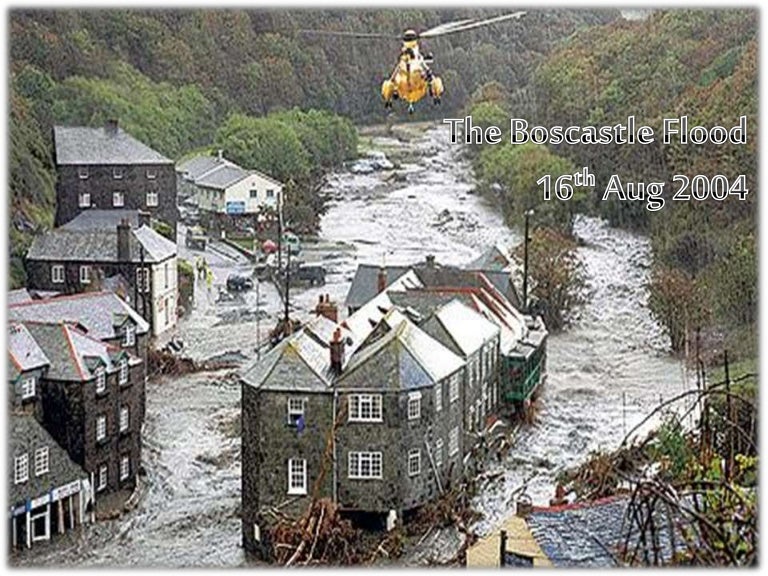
x=39 y=501
x=66 y=490
x=236 y=207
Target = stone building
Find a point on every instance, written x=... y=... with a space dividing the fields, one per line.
x=108 y=169
x=98 y=245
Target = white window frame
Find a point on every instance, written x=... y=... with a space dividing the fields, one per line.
x=454 y=388
x=296 y=408
x=297 y=476
x=103 y=478
x=28 y=387
x=21 y=468
x=42 y=461
x=357 y=404
x=153 y=198
x=125 y=467
x=82 y=172
x=374 y=461
x=101 y=428
x=439 y=452
x=453 y=442
x=166 y=275
x=118 y=173
x=101 y=380
x=84 y=200
x=151 y=173
x=253 y=194
x=123 y=372
x=414 y=406
x=57 y=273
x=85 y=274
x=118 y=199
x=270 y=194
x=438 y=396
x=414 y=462
x=142 y=279
x=129 y=337
x=125 y=418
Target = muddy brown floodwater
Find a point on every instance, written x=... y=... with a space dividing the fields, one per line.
x=605 y=373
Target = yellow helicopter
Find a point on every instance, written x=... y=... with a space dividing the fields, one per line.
x=412 y=78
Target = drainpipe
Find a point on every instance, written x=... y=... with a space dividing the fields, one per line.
x=333 y=441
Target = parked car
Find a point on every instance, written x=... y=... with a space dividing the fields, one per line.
x=196 y=238
x=239 y=283
x=379 y=160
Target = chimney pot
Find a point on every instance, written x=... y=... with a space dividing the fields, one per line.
x=111 y=125
x=337 y=352
x=220 y=154
x=382 y=280
x=431 y=260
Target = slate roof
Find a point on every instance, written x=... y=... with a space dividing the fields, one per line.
x=365 y=283
x=468 y=329
x=95 y=219
x=98 y=312
x=589 y=534
x=494 y=258
x=82 y=145
x=73 y=355
x=99 y=245
x=20 y=295
x=199 y=165
x=24 y=353
x=221 y=177
x=26 y=435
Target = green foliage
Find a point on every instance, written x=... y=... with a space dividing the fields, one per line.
x=516 y=168
x=672 y=449
x=164 y=229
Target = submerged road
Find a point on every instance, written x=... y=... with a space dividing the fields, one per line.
x=605 y=373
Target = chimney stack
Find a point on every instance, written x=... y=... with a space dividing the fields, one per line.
x=220 y=154
x=327 y=308
x=430 y=261
x=382 y=280
x=524 y=506
x=337 y=352
x=123 y=241
x=111 y=125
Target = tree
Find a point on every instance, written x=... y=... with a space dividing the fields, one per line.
x=557 y=276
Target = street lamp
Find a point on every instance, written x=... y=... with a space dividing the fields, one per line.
x=528 y=214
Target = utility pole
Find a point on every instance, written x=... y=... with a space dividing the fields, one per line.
x=528 y=214
x=287 y=284
x=731 y=425
x=258 y=319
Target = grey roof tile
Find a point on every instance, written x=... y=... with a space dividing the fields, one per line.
x=98 y=312
x=25 y=353
x=222 y=177
x=20 y=295
x=83 y=145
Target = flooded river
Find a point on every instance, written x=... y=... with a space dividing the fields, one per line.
x=605 y=373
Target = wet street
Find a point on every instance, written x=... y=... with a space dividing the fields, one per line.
x=605 y=373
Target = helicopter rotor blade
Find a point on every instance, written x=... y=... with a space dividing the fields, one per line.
x=348 y=34
x=462 y=25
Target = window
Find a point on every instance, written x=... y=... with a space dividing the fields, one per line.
x=20 y=469
x=57 y=273
x=414 y=462
x=117 y=173
x=28 y=388
x=295 y=410
x=41 y=461
x=151 y=173
x=118 y=199
x=101 y=380
x=297 y=476
x=454 y=388
x=129 y=336
x=254 y=194
x=152 y=199
x=101 y=428
x=414 y=406
x=82 y=172
x=471 y=419
x=142 y=279
x=85 y=274
x=270 y=194
x=365 y=408
x=125 y=467
x=438 y=396
x=166 y=280
x=453 y=442
x=124 y=419
x=364 y=465
x=123 y=377
x=439 y=452
x=84 y=199
x=102 y=478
